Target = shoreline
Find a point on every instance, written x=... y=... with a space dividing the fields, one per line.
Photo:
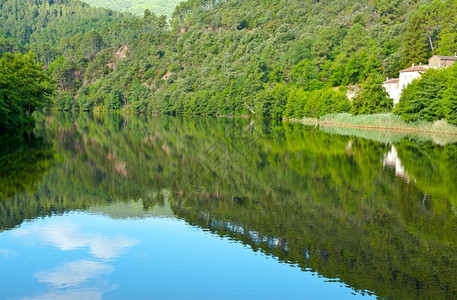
x=381 y=122
x=374 y=127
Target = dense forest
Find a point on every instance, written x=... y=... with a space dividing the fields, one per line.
x=274 y=59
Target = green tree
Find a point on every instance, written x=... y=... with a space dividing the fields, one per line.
x=450 y=96
x=372 y=98
x=447 y=42
x=423 y=98
x=24 y=87
x=416 y=45
x=62 y=70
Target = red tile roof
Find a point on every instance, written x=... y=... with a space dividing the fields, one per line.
x=393 y=80
x=419 y=69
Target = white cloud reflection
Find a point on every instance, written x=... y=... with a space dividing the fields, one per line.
x=5 y=253
x=74 y=273
x=90 y=294
x=80 y=279
x=68 y=236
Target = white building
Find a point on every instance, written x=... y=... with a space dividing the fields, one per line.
x=408 y=75
x=394 y=86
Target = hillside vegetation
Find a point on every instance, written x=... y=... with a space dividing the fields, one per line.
x=265 y=58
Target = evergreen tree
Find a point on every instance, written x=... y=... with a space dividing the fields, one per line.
x=416 y=46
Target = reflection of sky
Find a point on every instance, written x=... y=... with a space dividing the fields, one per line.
x=78 y=295
x=84 y=256
x=5 y=253
x=74 y=273
x=68 y=236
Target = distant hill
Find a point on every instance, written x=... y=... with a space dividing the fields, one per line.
x=47 y=22
x=137 y=7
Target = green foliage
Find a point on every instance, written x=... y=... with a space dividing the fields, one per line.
x=62 y=69
x=447 y=42
x=271 y=102
x=372 y=98
x=66 y=102
x=416 y=49
x=114 y=100
x=41 y=22
x=24 y=88
x=227 y=57
x=326 y=101
x=424 y=99
x=449 y=100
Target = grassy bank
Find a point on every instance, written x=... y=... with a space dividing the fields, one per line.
x=387 y=121
x=385 y=127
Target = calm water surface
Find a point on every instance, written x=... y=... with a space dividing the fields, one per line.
x=136 y=207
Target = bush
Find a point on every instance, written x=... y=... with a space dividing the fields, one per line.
x=66 y=102
x=326 y=101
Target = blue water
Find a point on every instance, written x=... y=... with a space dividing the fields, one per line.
x=82 y=255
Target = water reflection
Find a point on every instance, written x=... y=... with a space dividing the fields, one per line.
x=74 y=273
x=24 y=159
x=377 y=216
x=68 y=236
x=392 y=160
x=82 y=277
x=5 y=253
x=91 y=294
x=171 y=260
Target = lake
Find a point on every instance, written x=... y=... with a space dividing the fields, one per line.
x=104 y=206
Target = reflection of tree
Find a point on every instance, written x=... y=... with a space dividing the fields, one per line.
x=433 y=169
x=23 y=161
x=323 y=201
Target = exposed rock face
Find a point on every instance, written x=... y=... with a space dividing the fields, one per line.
x=121 y=53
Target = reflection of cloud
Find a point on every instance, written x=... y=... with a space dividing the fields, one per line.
x=5 y=253
x=68 y=236
x=107 y=248
x=74 y=295
x=74 y=273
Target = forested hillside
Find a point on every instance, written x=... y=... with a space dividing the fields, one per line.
x=137 y=7
x=51 y=28
x=277 y=59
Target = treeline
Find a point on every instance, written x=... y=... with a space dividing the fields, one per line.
x=264 y=58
